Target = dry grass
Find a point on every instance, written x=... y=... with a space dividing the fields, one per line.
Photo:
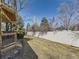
x=45 y=49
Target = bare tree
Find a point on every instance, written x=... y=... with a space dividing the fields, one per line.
x=22 y=4
x=52 y=23
x=17 y=4
x=35 y=26
x=68 y=13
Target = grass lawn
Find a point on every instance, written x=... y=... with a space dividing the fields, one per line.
x=45 y=49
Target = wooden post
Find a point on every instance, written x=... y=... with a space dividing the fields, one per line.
x=11 y=26
x=0 y=27
x=7 y=27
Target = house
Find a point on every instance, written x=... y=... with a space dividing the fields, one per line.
x=9 y=46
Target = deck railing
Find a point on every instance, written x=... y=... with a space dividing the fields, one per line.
x=8 y=4
x=8 y=38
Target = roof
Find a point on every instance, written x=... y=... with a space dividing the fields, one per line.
x=8 y=12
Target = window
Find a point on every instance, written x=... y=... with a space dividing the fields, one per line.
x=3 y=26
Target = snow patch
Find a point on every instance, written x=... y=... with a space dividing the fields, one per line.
x=65 y=37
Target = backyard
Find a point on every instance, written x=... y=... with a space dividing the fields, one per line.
x=45 y=49
x=39 y=29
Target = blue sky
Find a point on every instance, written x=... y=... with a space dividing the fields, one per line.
x=41 y=8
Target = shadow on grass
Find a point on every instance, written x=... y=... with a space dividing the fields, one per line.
x=28 y=39
x=28 y=52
